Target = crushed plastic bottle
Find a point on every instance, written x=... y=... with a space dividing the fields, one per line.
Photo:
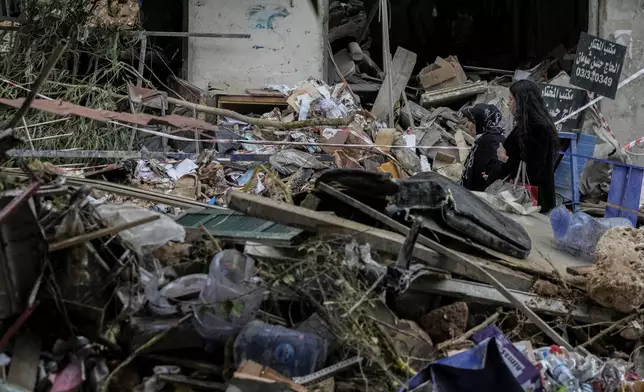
x=561 y=373
x=579 y=233
x=229 y=299
x=291 y=353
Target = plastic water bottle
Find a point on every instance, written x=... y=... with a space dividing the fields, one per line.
x=562 y=374
x=229 y=298
x=579 y=233
x=292 y=353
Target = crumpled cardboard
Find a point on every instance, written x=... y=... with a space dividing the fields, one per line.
x=442 y=73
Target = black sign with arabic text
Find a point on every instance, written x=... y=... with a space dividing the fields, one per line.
x=598 y=65
x=561 y=101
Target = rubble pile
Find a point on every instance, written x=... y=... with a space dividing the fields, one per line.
x=306 y=237
x=617 y=280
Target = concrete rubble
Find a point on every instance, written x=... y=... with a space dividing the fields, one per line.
x=617 y=282
x=308 y=243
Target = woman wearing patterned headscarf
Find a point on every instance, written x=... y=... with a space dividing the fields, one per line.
x=483 y=124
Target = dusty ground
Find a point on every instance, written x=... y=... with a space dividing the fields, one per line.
x=447 y=322
x=618 y=280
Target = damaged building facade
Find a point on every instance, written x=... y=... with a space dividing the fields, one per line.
x=288 y=42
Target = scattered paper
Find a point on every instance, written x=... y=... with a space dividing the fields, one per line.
x=424 y=164
x=410 y=140
x=187 y=166
x=304 y=102
x=328 y=133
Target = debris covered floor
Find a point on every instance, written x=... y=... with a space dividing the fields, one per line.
x=313 y=238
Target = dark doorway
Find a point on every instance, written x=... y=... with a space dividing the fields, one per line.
x=503 y=34
x=165 y=54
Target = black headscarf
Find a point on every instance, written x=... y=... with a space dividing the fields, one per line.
x=488 y=137
x=486 y=118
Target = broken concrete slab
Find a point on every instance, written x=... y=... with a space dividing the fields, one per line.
x=618 y=280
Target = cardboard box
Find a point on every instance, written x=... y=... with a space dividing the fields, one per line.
x=442 y=73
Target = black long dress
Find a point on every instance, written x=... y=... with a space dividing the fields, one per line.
x=483 y=154
x=541 y=154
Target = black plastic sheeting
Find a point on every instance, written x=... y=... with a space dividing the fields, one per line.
x=436 y=197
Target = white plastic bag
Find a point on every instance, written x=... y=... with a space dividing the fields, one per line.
x=143 y=237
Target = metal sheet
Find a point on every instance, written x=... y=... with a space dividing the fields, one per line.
x=62 y=108
x=236 y=226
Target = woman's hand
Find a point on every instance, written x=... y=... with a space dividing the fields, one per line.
x=501 y=153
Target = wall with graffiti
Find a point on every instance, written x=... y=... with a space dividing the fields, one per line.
x=286 y=44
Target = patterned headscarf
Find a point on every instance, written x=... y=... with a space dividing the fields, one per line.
x=486 y=118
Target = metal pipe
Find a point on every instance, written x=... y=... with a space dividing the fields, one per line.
x=84 y=238
x=44 y=74
x=484 y=69
x=98 y=154
x=111 y=154
x=144 y=48
x=183 y=34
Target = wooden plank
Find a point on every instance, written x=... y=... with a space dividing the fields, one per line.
x=23 y=371
x=482 y=293
x=401 y=69
x=380 y=240
x=250 y=99
x=264 y=93
x=294 y=216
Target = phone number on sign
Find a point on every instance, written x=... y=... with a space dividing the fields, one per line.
x=593 y=76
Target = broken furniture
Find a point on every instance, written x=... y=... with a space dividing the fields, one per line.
x=625 y=185
x=572 y=165
x=625 y=191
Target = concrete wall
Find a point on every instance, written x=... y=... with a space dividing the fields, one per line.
x=286 y=44
x=626 y=113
